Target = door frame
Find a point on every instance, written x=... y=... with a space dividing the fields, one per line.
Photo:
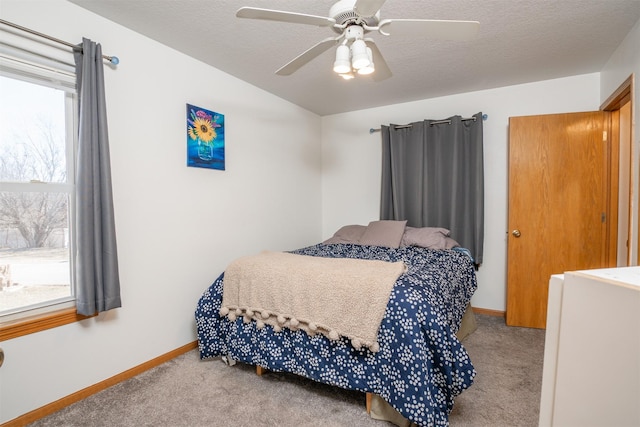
x=621 y=96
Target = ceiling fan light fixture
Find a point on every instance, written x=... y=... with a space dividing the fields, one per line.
x=342 y=63
x=359 y=57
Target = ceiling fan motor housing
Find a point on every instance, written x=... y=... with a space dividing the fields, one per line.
x=344 y=12
x=354 y=32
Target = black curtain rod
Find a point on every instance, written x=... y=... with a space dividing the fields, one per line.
x=439 y=122
x=113 y=59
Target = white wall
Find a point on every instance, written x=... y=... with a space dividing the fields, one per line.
x=351 y=159
x=624 y=62
x=177 y=227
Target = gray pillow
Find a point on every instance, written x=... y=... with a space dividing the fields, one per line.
x=383 y=233
x=428 y=237
x=347 y=234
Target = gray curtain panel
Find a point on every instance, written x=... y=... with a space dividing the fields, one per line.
x=433 y=176
x=97 y=277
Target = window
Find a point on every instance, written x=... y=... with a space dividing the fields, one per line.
x=37 y=128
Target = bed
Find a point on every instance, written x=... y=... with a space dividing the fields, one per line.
x=419 y=365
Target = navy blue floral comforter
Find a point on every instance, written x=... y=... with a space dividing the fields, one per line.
x=421 y=366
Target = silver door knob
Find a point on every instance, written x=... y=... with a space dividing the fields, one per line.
x=516 y=233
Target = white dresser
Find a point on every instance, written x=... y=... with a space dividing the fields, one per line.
x=591 y=373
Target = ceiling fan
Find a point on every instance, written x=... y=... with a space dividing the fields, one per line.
x=351 y=20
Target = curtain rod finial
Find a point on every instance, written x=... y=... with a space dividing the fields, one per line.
x=114 y=60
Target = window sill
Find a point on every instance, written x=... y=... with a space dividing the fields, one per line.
x=42 y=322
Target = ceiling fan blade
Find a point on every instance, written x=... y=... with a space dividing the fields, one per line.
x=382 y=70
x=448 y=30
x=282 y=16
x=368 y=8
x=308 y=55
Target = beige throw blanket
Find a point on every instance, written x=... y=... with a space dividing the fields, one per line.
x=332 y=296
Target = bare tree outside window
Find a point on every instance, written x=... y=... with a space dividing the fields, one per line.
x=37 y=156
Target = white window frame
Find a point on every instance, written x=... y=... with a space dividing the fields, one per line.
x=38 y=70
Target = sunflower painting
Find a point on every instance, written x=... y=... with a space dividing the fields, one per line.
x=205 y=138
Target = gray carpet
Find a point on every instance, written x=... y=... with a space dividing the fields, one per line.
x=188 y=392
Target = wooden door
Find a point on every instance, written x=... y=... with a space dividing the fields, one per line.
x=558 y=183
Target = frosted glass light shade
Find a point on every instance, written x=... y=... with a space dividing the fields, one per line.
x=342 y=63
x=368 y=69
x=359 y=57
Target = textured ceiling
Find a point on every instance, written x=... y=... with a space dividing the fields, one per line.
x=518 y=42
